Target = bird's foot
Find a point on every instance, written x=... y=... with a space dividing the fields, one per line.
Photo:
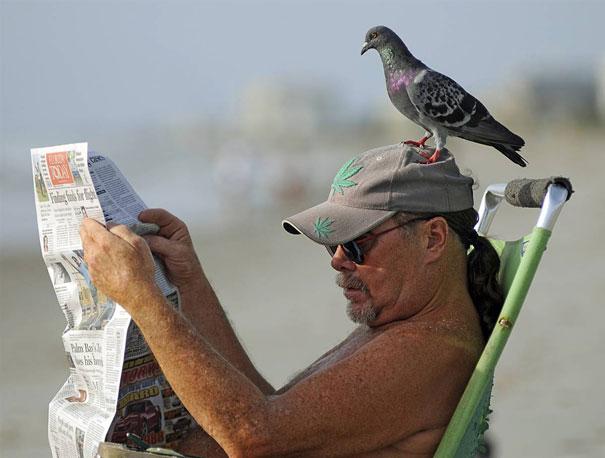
x=430 y=159
x=435 y=157
x=419 y=144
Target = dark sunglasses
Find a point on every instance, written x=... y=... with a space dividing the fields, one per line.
x=356 y=249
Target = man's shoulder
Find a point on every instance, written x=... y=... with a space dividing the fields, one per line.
x=430 y=335
x=397 y=381
x=440 y=350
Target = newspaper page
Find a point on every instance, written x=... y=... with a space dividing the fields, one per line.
x=115 y=385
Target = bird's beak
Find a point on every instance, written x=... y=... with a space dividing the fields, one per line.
x=366 y=46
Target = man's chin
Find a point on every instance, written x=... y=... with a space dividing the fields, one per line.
x=363 y=313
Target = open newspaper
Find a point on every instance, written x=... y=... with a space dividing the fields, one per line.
x=115 y=385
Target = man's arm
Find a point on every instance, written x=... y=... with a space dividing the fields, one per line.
x=389 y=388
x=198 y=300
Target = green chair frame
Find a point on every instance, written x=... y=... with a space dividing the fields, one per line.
x=519 y=262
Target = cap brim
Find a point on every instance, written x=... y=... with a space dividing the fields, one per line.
x=332 y=224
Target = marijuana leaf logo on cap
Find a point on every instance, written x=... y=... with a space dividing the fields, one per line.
x=342 y=178
x=322 y=228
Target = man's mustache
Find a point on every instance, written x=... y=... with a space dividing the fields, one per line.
x=348 y=281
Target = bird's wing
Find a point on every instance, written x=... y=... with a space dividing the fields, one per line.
x=445 y=102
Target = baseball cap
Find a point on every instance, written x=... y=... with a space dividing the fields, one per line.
x=374 y=186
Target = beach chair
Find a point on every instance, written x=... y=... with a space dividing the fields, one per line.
x=519 y=261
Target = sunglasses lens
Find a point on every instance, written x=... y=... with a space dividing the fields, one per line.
x=353 y=252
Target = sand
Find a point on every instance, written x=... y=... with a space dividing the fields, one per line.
x=548 y=399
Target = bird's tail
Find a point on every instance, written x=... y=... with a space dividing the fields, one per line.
x=490 y=132
x=510 y=151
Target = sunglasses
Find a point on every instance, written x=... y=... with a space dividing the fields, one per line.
x=356 y=249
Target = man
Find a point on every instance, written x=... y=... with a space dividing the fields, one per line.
x=398 y=232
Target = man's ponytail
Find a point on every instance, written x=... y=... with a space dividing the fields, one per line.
x=483 y=266
x=486 y=292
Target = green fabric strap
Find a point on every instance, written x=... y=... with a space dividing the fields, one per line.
x=482 y=376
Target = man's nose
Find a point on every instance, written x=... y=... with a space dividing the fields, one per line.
x=340 y=261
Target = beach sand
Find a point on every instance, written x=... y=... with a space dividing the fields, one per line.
x=279 y=292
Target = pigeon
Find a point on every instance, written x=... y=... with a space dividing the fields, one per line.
x=436 y=102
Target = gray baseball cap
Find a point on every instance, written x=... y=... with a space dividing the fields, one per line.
x=372 y=187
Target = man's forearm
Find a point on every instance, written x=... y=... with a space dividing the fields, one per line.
x=199 y=443
x=223 y=401
x=202 y=308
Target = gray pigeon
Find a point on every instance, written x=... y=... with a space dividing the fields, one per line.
x=435 y=102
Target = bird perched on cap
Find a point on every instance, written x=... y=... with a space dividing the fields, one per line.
x=435 y=102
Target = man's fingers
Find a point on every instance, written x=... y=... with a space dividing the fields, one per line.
x=91 y=224
x=94 y=236
x=158 y=216
x=117 y=258
x=126 y=234
x=170 y=226
x=159 y=245
x=90 y=229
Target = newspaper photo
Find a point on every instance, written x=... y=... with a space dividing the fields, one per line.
x=114 y=384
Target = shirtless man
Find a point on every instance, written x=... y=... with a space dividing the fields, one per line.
x=398 y=232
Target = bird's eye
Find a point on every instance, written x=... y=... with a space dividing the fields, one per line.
x=373 y=35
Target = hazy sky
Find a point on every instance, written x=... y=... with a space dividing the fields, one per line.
x=98 y=70
x=106 y=63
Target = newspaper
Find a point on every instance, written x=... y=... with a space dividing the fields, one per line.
x=115 y=385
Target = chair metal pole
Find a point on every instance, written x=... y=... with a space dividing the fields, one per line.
x=481 y=377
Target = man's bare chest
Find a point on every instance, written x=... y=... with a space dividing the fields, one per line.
x=356 y=340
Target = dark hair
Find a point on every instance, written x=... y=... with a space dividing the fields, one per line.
x=483 y=264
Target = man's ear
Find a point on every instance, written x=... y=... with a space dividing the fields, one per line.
x=435 y=231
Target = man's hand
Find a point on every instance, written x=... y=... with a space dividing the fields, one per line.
x=174 y=246
x=119 y=262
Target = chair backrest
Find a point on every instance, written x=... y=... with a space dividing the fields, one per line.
x=519 y=261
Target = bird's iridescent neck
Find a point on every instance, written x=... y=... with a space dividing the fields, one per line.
x=398 y=79
x=389 y=57
x=395 y=55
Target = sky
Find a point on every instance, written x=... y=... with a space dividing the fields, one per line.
x=67 y=63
